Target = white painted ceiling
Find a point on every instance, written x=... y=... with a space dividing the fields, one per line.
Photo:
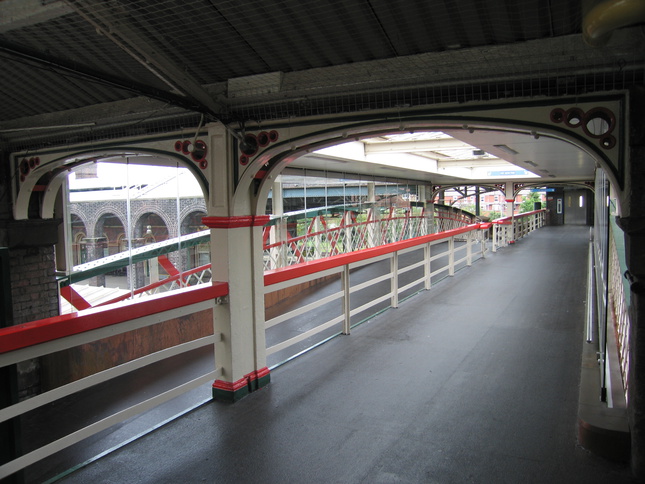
x=450 y=160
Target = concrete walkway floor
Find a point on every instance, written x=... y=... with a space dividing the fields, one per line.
x=474 y=381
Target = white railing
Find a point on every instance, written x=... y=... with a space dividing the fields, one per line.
x=619 y=309
x=44 y=337
x=433 y=247
x=507 y=230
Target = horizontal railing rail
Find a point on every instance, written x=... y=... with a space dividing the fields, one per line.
x=507 y=230
x=473 y=246
x=38 y=338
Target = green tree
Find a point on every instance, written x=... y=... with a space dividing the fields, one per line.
x=469 y=207
x=529 y=202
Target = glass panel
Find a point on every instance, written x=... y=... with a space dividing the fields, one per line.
x=129 y=227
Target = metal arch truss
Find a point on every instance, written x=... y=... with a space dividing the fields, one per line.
x=518 y=187
x=43 y=173
x=331 y=234
x=485 y=188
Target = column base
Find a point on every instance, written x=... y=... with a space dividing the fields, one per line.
x=231 y=392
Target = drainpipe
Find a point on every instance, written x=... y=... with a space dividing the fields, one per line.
x=601 y=20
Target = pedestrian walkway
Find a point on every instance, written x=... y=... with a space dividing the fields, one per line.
x=475 y=381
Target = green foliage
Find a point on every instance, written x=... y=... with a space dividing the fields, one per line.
x=529 y=202
x=469 y=207
x=494 y=215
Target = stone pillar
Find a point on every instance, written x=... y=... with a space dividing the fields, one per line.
x=135 y=273
x=95 y=249
x=236 y=254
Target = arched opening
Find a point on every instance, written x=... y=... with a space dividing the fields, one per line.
x=517 y=165
x=136 y=203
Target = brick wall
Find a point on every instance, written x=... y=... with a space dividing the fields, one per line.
x=35 y=296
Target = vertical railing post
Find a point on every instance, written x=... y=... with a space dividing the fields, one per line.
x=427 y=266
x=317 y=228
x=482 y=242
x=347 y=319
x=451 y=256
x=495 y=235
x=469 y=248
x=348 y=245
x=394 y=281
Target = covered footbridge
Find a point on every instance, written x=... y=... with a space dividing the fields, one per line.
x=423 y=97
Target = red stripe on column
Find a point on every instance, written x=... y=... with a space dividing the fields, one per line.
x=257 y=374
x=228 y=386
x=235 y=222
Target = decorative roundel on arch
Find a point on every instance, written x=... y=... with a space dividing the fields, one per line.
x=597 y=123
x=196 y=150
x=26 y=165
x=250 y=144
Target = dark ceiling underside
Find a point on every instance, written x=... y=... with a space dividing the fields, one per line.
x=89 y=69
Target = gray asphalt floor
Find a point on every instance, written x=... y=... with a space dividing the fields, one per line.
x=474 y=381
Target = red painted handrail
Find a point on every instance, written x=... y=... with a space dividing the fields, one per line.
x=44 y=330
x=507 y=220
x=180 y=275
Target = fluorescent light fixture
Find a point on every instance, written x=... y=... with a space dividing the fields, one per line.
x=505 y=148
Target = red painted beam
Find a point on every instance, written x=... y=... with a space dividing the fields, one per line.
x=43 y=330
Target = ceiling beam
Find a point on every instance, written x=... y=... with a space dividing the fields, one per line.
x=17 y=14
x=472 y=163
x=116 y=27
x=414 y=146
x=24 y=55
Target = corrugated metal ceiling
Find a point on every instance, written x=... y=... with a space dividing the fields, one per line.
x=80 y=53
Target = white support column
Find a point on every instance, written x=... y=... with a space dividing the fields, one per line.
x=236 y=258
x=278 y=232
x=373 y=214
x=318 y=239
x=348 y=241
x=429 y=210
x=510 y=211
